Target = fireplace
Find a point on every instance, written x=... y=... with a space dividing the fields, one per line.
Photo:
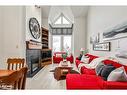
x=33 y=57
x=33 y=61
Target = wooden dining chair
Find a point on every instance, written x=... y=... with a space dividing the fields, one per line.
x=16 y=80
x=24 y=71
x=15 y=63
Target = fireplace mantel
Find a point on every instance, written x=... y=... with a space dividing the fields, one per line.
x=33 y=45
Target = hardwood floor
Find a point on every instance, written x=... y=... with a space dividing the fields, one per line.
x=44 y=79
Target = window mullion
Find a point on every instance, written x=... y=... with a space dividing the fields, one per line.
x=62 y=43
x=61 y=19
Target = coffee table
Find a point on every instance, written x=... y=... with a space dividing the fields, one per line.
x=62 y=70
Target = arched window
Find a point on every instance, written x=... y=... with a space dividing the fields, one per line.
x=62 y=20
x=61 y=30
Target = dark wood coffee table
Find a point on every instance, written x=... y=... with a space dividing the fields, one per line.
x=62 y=70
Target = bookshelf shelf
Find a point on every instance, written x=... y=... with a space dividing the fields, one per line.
x=46 y=52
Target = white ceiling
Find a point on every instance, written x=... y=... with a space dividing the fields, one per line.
x=78 y=11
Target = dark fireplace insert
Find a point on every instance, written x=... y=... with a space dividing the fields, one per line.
x=33 y=58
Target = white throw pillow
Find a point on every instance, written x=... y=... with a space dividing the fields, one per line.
x=118 y=74
x=84 y=59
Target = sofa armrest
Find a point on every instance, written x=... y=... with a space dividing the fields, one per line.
x=77 y=58
x=115 y=85
x=54 y=56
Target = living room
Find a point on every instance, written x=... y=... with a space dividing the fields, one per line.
x=24 y=43
x=62 y=44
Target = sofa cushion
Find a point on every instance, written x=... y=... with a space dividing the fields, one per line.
x=58 y=55
x=77 y=62
x=84 y=70
x=99 y=68
x=106 y=71
x=77 y=81
x=118 y=74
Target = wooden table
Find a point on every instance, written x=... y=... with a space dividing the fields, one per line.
x=62 y=70
x=5 y=73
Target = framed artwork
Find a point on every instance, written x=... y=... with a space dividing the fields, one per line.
x=95 y=38
x=102 y=46
x=117 y=32
x=121 y=49
x=121 y=54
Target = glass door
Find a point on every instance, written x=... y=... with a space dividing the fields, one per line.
x=62 y=43
x=56 y=43
x=67 y=43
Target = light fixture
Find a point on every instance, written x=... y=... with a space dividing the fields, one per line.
x=37 y=6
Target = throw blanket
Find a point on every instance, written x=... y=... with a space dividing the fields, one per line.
x=92 y=64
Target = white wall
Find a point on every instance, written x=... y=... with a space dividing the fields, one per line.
x=13 y=33
x=32 y=11
x=102 y=18
x=1 y=33
x=45 y=23
x=79 y=35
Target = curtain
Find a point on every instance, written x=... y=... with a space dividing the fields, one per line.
x=61 y=31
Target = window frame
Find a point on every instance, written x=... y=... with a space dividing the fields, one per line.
x=62 y=42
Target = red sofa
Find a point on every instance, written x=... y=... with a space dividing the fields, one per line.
x=58 y=59
x=89 y=80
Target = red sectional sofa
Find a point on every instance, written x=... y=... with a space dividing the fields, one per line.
x=89 y=80
x=58 y=59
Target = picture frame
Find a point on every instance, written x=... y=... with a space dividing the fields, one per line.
x=117 y=32
x=102 y=46
x=95 y=38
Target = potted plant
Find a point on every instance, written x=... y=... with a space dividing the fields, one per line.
x=64 y=56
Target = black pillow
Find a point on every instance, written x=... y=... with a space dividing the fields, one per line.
x=99 y=68
x=107 y=69
x=80 y=56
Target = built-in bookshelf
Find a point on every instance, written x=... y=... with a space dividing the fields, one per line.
x=46 y=53
x=45 y=37
x=46 y=57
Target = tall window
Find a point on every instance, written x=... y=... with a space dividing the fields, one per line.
x=61 y=43
x=62 y=34
x=56 y=43
x=67 y=42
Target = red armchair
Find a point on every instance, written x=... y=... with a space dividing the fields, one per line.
x=57 y=59
x=89 y=80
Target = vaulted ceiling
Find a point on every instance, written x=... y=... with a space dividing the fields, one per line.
x=78 y=11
